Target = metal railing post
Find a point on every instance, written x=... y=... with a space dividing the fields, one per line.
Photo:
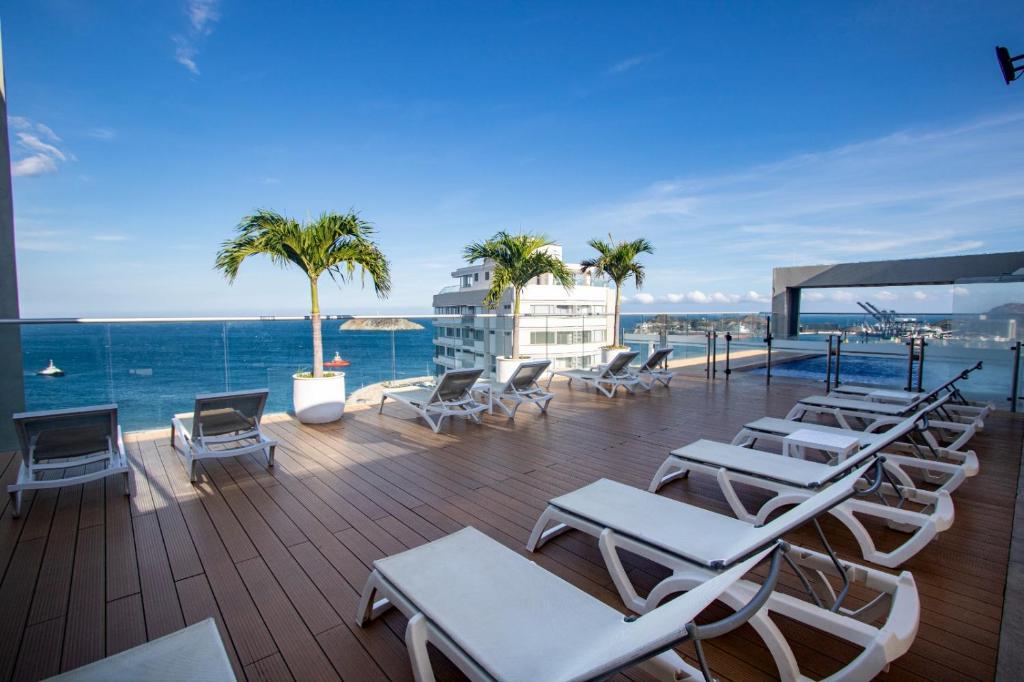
x=920 y=364
x=839 y=349
x=714 y=353
x=911 y=342
x=828 y=363
x=728 y=343
x=768 y=342
x=707 y=355
x=1015 y=380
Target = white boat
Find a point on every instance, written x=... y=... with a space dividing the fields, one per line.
x=51 y=371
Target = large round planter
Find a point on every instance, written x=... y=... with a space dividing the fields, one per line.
x=319 y=401
x=609 y=354
x=507 y=367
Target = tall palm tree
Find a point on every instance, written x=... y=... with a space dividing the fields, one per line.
x=518 y=259
x=618 y=260
x=336 y=244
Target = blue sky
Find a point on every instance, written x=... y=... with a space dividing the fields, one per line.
x=735 y=136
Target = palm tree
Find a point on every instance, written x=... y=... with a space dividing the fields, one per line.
x=336 y=244
x=518 y=259
x=619 y=262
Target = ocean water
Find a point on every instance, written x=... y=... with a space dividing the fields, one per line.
x=153 y=370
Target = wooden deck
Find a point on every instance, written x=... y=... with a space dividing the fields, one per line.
x=279 y=557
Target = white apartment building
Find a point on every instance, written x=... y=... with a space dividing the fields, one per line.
x=569 y=327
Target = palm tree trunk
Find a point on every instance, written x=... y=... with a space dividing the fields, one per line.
x=515 y=324
x=618 y=299
x=318 y=339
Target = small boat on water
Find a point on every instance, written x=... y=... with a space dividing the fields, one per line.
x=337 y=361
x=51 y=371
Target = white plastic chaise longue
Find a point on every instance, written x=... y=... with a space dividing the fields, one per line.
x=222 y=425
x=499 y=616
x=697 y=544
x=520 y=389
x=451 y=397
x=55 y=441
x=607 y=378
x=794 y=479
x=652 y=372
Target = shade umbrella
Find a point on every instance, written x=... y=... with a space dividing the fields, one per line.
x=382 y=324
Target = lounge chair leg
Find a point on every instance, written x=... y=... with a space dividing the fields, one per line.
x=380 y=410
x=416 y=643
x=172 y=434
x=369 y=609
x=538 y=536
x=15 y=504
x=670 y=470
x=606 y=543
x=270 y=455
x=127 y=484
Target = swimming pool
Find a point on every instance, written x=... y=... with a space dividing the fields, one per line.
x=990 y=383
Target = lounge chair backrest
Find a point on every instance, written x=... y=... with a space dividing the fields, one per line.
x=455 y=384
x=657 y=357
x=654 y=631
x=217 y=414
x=53 y=434
x=619 y=363
x=527 y=374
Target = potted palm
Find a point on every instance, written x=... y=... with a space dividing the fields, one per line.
x=618 y=261
x=335 y=244
x=518 y=259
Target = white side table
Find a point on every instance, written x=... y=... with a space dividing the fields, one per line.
x=889 y=396
x=839 y=446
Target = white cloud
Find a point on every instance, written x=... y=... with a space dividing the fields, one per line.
x=102 y=133
x=841 y=296
x=884 y=295
x=960 y=291
x=628 y=64
x=920 y=295
x=812 y=296
x=109 y=237
x=42 y=157
x=754 y=297
x=202 y=15
x=644 y=298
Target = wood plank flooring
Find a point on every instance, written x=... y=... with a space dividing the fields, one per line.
x=279 y=557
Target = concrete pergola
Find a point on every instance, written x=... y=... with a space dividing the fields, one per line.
x=787 y=283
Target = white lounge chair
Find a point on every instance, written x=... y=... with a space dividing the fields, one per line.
x=794 y=480
x=958 y=405
x=605 y=379
x=451 y=397
x=696 y=544
x=521 y=388
x=917 y=449
x=653 y=371
x=499 y=616
x=221 y=425
x=854 y=414
x=55 y=443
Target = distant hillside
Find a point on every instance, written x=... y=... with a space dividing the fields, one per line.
x=1007 y=310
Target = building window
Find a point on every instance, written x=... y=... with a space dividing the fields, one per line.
x=542 y=338
x=476 y=276
x=487 y=275
x=540 y=310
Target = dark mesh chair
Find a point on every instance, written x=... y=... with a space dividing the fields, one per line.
x=521 y=388
x=451 y=397
x=59 y=441
x=222 y=425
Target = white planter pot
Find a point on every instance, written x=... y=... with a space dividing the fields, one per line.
x=609 y=354
x=507 y=366
x=318 y=401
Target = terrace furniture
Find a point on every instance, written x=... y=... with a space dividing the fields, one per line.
x=499 y=616
x=916 y=449
x=605 y=379
x=192 y=654
x=958 y=405
x=850 y=413
x=221 y=425
x=61 y=448
x=452 y=396
x=794 y=480
x=521 y=388
x=652 y=372
x=697 y=544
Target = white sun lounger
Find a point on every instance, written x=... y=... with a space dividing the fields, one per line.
x=521 y=388
x=605 y=379
x=652 y=372
x=695 y=544
x=851 y=413
x=451 y=397
x=794 y=480
x=62 y=443
x=221 y=425
x=958 y=405
x=917 y=449
x=498 y=616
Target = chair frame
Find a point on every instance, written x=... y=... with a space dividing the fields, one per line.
x=115 y=459
x=653 y=373
x=434 y=410
x=497 y=394
x=192 y=447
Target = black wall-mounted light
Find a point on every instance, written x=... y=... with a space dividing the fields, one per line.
x=1006 y=64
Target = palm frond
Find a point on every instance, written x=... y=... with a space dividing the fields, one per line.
x=518 y=259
